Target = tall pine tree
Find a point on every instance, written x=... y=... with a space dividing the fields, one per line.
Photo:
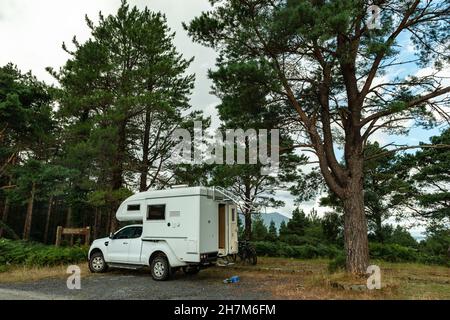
x=123 y=93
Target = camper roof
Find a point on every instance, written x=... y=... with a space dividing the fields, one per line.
x=176 y=192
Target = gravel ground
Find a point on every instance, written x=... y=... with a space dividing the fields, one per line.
x=137 y=285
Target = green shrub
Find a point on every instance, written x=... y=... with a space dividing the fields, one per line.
x=292 y=239
x=34 y=254
x=398 y=253
x=306 y=251
x=387 y=252
x=436 y=244
x=428 y=259
x=4 y=268
x=337 y=264
x=264 y=248
x=393 y=252
x=296 y=240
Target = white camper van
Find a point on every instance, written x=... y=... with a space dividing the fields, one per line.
x=183 y=227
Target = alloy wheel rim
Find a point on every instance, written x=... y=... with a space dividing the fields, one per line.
x=97 y=263
x=159 y=269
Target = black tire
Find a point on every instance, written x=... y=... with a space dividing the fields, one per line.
x=160 y=268
x=191 y=270
x=97 y=263
x=175 y=270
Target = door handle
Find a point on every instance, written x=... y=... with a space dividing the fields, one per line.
x=125 y=243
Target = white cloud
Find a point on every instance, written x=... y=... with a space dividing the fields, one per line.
x=32 y=33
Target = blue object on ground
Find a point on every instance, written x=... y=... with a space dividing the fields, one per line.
x=233 y=279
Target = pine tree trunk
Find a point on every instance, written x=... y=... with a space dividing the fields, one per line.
x=47 y=221
x=248 y=216
x=355 y=230
x=29 y=217
x=248 y=225
x=117 y=173
x=108 y=222
x=5 y=215
x=145 y=153
x=355 y=220
x=114 y=223
x=379 y=226
x=5 y=209
x=69 y=217
x=95 y=231
x=2 y=208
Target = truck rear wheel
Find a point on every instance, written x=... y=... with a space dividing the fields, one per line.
x=160 y=268
x=97 y=263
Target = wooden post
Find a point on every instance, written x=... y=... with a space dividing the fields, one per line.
x=58 y=235
x=87 y=238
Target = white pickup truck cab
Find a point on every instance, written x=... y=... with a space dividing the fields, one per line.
x=182 y=228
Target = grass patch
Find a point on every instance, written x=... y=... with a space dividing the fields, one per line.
x=17 y=274
x=311 y=279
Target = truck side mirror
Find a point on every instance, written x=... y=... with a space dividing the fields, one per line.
x=111 y=235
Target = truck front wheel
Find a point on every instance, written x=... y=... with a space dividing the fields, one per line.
x=160 y=268
x=97 y=263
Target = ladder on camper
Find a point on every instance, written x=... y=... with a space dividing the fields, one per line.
x=231 y=196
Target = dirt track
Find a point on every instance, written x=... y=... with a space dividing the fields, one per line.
x=137 y=285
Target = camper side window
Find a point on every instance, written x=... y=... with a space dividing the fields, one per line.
x=134 y=207
x=156 y=212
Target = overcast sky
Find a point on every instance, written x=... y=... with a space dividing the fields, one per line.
x=32 y=31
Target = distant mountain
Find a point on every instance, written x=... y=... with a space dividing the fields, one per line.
x=267 y=218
